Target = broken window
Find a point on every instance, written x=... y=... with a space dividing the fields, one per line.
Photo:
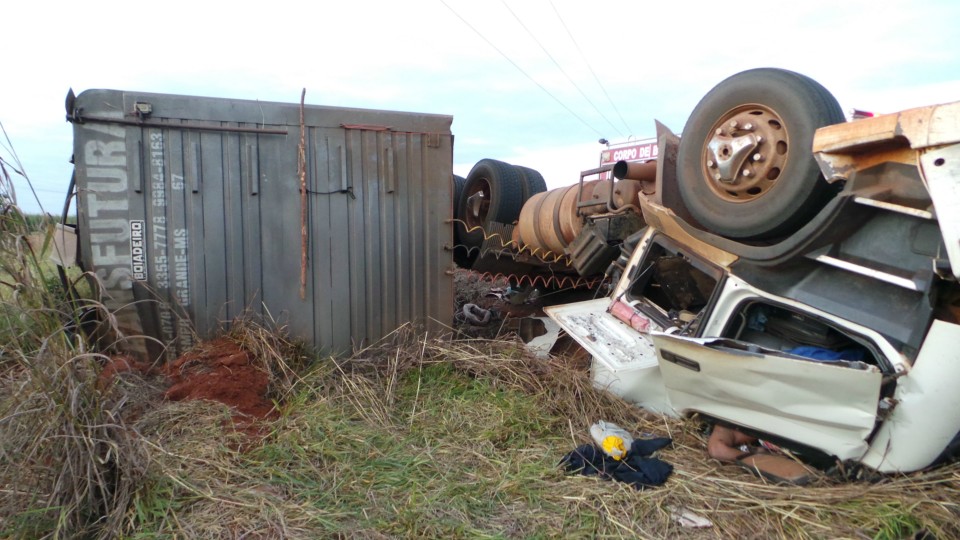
x=673 y=288
x=783 y=329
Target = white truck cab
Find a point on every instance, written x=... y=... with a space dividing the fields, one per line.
x=839 y=336
x=683 y=334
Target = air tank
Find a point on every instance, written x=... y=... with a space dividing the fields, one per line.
x=549 y=220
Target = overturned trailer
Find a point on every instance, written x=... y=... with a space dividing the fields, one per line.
x=192 y=211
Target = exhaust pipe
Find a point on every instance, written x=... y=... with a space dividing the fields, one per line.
x=645 y=172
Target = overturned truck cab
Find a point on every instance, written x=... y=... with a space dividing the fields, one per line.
x=838 y=339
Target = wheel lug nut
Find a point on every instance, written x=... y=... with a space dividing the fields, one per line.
x=711 y=164
x=719 y=131
x=717 y=177
x=748 y=127
x=759 y=139
x=733 y=124
x=746 y=172
x=758 y=157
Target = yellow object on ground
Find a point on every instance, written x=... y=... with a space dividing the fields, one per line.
x=614 y=440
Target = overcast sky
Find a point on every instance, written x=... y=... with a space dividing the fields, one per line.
x=503 y=70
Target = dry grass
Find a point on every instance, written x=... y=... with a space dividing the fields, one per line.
x=418 y=437
x=424 y=438
x=413 y=437
x=738 y=503
x=68 y=464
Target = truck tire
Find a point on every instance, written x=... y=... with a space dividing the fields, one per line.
x=492 y=192
x=458 y=183
x=531 y=182
x=745 y=169
x=461 y=253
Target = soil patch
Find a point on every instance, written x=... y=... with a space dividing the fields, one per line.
x=120 y=364
x=220 y=370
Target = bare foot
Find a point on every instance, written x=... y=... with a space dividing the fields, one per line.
x=724 y=444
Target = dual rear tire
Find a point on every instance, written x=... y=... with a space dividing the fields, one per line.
x=493 y=191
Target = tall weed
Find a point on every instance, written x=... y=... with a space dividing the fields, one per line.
x=68 y=462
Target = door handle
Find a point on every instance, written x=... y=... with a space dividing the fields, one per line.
x=681 y=361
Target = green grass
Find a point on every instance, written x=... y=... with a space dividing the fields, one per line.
x=442 y=466
x=447 y=460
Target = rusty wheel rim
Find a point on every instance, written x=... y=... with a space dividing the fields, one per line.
x=745 y=154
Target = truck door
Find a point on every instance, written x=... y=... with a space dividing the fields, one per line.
x=762 y=374
x=624 y=360
x=667 y=289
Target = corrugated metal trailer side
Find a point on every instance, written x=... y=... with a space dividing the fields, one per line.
x=189 y=214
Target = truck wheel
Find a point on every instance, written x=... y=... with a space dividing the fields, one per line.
x=531 y=181
x=461 y=253
x=458 y=183
x=493 y=192
x=745 y=167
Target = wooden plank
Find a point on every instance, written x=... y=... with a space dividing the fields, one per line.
x=859 y=134
x=917 y=128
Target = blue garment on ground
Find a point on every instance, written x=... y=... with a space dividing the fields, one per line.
x=636 y=468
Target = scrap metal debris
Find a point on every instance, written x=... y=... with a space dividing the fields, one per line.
x=476 y=315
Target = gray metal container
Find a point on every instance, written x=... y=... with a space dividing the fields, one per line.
x=189 y=214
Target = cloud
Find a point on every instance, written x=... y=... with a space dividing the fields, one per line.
x=496 y=73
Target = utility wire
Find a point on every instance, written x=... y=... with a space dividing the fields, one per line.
x=590 y=68
x=554 y=60
x=568 y=109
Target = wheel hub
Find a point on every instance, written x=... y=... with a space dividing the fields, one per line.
x=478 y=204
x=728 y=155
x=474 y=202
x=744 y=157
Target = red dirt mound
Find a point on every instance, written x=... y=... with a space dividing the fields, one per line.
x=221 y=371
x=118 y=364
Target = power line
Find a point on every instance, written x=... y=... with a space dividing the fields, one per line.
x=568 y=109
x=590 y=68
x=552 y=59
